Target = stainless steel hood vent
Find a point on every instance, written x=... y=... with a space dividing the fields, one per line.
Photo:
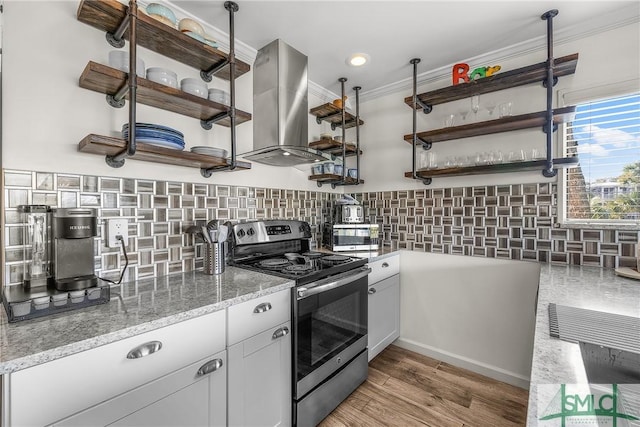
x=280 y=108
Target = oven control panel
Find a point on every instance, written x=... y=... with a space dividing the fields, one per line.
x=270 y=231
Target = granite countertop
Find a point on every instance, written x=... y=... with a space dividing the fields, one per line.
x=558 y=362
x=135 y=308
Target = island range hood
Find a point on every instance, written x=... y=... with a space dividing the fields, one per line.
x=280 y=108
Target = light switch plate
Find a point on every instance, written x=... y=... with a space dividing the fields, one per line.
x=117 y=227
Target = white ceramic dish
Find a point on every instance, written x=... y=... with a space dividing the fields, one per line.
x=188 y=24
x=210 y=151
x=163 y=76
x=195 y=36
x=119 y=59
x=219 y=96
x=194 y=87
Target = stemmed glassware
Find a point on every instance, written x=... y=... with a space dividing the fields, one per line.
x=475 y=105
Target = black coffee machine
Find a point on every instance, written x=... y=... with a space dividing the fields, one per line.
x=73 y=231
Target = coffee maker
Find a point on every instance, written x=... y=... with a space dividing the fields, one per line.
x=73 y=231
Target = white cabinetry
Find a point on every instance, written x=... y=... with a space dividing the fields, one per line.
x=259 y=367
x=384 y=304
x=56 y=390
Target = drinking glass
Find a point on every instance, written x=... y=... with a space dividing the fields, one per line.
x=475 y=105
x=505 y=109
x=449 y=120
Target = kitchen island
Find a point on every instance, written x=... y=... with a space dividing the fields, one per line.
x=135 y=308
x=558 y=362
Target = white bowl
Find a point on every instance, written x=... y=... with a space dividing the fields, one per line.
x=194 y=87
x=188 y=24
x=163 y=76
x=219 y=96
x=119 y=59
x=210 y=151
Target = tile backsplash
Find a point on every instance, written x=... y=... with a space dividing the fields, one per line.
x=500 y=221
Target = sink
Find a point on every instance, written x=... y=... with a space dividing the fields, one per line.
x=607 y=365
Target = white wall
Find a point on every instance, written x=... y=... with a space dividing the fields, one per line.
x=606 y=57
x=46 y=113
x=476 y=313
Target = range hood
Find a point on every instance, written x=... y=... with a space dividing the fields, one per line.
x=281 y=108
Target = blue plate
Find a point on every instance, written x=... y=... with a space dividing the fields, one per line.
x=153 y=127
x=159 y=143
x=156 y=135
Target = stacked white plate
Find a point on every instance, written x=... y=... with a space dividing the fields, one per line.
x=209 y=151
x=157 y=135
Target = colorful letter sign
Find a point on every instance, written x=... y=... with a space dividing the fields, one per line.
x=461 y=72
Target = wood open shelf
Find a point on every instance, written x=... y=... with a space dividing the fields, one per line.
x=106 y=15
x=504 y=124
x=105 y=145
x=107 y=80
x=333 y=178
x=564 y=66
x=533 y=165
x=332 y=114
x=332 y=146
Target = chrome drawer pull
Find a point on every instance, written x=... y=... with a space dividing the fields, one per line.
x=279 y=333
x=209 y=367
x=385 y=264
x=372 y=291
x=144 y=350
x=265 y=306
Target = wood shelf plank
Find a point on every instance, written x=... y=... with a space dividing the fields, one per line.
x=564 y=66
x=332 y=114
x=533 y=165
x=504 y=124
x=106 y=145
x=106 y=15
x=333 y=178
x=332 y=146
x=107 y=80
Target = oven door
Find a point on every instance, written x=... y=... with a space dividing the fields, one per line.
x=330 y=327
x=354 y=237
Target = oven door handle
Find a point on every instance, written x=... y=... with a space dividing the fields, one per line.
x=305 y=291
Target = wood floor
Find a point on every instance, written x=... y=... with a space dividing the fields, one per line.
x=409 y=389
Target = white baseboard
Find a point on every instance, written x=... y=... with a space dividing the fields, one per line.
x=464 y=362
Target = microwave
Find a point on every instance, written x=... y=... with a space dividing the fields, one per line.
x=352 y=237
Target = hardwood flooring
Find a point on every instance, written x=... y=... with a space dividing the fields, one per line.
x=408 y=389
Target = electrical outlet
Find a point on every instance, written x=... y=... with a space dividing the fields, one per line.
x=117 y=227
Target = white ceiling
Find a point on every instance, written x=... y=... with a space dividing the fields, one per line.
x=441 y=33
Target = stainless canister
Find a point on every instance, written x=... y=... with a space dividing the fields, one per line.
x=214 y=261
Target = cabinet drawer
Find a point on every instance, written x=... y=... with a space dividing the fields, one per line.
x=70 y=384
x=384 y=268
x=254 y=316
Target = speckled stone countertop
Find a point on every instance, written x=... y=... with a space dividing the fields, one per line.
x=135 y=308
x=559 y=362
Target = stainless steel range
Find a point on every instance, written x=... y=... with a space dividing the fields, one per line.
x=329 y=311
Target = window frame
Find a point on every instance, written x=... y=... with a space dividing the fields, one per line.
x=575 y=96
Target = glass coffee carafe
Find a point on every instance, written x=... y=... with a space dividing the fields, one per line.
x=37 y=245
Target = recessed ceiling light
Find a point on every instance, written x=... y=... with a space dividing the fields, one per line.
x=358 y=59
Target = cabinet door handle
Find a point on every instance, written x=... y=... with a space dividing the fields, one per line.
x=280 y=332
x=144 y=350
x=265 y=306
x=209 y=367
x=385 y=264
x=372 y=291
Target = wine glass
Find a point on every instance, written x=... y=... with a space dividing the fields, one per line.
x=475 y=105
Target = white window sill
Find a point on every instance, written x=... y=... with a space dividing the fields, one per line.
x=599 y=225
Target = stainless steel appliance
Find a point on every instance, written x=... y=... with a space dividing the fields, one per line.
x=351 y=237
x=73 y=232
x=329 y=308
x=280 y=108
x=348 y=214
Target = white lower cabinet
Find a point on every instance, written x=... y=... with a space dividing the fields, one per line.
x=384 y=305
x=191 y=397
x=259 y=370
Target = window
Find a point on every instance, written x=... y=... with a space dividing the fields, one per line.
x=605 y=135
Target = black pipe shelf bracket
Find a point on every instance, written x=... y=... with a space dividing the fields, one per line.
x=549 y=127
x=232 y=8
x=128 y=23
x=426 y=145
